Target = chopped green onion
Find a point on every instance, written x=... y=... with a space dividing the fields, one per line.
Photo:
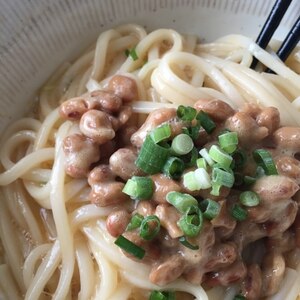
x=239 y=297
x=210 y=208
x=228 y=141
x=239 y=213
x=173 y=167
x=161 y=133
x=222 y=176
x=132 y=53
x=135 y=222
x=249 y=198
x=206 y=122
x=130 y=247
x=181 y=201
x=204 y=153
x=186 y=113
x=190 y=158
x=150 y=227
x=162 y=295
x=192 y=131
x=183 y=240
x=203 y=178
x=139 y=187
x=220 y=156
x=196 y=180
x=191 y=222
x=239 y=159
x=190 y=182
x=215 y=191
x=201 y=163
x=152 y=157
x=182 y=144
x=264 y=159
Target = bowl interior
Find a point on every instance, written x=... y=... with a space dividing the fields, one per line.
x=37 y=36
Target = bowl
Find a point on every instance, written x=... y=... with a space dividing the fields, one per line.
x=36 y=37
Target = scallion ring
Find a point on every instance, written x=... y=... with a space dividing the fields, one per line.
x=162 y=295
x=249 y=198
x=139 y=187
x=181 y=201
x=191 y=222
x=220 y=156
x=228 y=141
x=204 y=153
x=222 y=176
x=210 y=208
x=130 y=247
x=239 y=159
x=182 y=144
x=152 y=156
x=161 y=133
x=239 y=213
x=186 y=113
x=135 y=222
x=150 y=227
x=264 y=159
x=206 y=122
x=173 y=167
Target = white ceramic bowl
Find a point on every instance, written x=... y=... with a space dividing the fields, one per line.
x=36 y=36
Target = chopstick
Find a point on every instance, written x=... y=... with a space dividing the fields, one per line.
x=277 y=12
x=290 y=42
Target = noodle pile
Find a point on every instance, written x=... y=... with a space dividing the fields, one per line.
x=53 y=241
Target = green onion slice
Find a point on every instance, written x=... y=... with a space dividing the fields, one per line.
x=130 y=247
x=190 y=158
x=139 y=187
x=222 y=176
x=239 y=297
x=191 y=222
x=249 y=198
x=162 y=295
x=239 y=213
x=180 y=201
x=186 y=113
x=215 y=189
x=135 y=222
x=150 y=227
x=183 y=240
x=201 y=163
x=192 y=131
x=206 y=122
x=190 y=182
x=152 y=156
x=228 y=141
x=182 y=144
x=132 y=53
x=264 y=159
x=220 y=156
x=210 y=208
x=203 y=178
x=204 y=153
x=161 y=133
x=173 y=167
x=239 y=159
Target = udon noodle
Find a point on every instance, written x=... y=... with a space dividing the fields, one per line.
x=53 y=241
